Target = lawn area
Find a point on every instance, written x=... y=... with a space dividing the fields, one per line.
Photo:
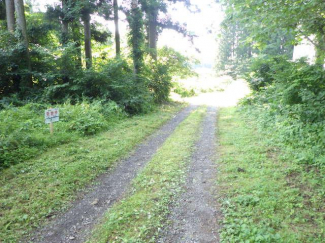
x=141 y=215
x=37 y=189
x=265 y=194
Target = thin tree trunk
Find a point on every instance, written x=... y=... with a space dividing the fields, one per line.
x=22 y=26
x=117 y=31
x=86 y=19
x=153 y=34
x=76 y=39
x=65 y=23
x=10 y=14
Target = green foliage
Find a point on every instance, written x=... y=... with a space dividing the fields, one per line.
x=293 y=89
x=57 y=70
x=182 y=91
x=241 y=37
x=160 y=82
x=298 y=19
x=263 y=70
x=160 y=73
x=178 y=65
x=266 y=194
x=24 y=133
x=136 y=38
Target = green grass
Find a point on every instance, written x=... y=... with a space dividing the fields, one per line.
x=139 y=217
x=35 y=190
x=24 y=135
x=265 y=195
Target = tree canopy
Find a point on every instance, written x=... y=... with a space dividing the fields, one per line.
x=65 y=54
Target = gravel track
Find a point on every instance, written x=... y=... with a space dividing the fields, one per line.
x=76 y=224
x=194 y=217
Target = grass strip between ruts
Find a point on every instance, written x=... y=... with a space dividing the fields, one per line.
x=37 y=189
x=140 y=216
x=260 y=202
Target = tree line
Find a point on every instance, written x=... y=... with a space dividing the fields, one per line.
x=288 y=95
x=50 y=56
x=254 y=28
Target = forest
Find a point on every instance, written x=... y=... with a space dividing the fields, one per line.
x=257 y=43
x=258 y=46
x=63 y=58
x=140 y=155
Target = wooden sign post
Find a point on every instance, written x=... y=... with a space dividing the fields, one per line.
x=51 y=115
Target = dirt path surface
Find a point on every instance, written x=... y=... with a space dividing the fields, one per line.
x=76 y=224
x=194 y=218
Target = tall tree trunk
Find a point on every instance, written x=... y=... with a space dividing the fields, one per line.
x=66 y=59
x=153 y=35
x=65 y=23
x=136 y=36
x=76 y=38
x=10 y=15
x=87 y=32
x=22 y=26
x=117 y=31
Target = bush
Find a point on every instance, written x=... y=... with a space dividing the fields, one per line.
x=113 y=80
x=160 y=82
x=170 y=64
x=291 y=101
x=263 y=71
x=182 y=91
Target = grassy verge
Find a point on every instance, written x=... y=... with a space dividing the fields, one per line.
x=139 y=217
x=266 y=196
x=36 y=189
x=24 y=135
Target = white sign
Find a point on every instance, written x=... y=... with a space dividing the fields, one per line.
x=51 y=115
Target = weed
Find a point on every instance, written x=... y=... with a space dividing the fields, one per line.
x=271 y=198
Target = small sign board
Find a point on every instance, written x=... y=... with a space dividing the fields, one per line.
x=52 y=115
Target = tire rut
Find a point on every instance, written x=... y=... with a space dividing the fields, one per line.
x=76 y=224
x=194 y=217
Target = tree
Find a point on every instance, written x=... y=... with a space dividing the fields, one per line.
x=152 y=9
x=65 y=22
x=247 y=31
x=117 y=32
x=22 y=27
x=136 y=36
x=87 y=33
x=10 y=15
x=302 y=19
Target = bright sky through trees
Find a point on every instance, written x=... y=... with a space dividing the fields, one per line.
x=205 y=24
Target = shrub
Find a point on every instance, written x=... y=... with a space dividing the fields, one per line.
x=160 y=82
x=291 y=101
x=170 y=64
x=182 y=91
x=263 y=71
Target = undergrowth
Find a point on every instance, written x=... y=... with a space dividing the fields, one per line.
x=267 y=193
x=24 y=134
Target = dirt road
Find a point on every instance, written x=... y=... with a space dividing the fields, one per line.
x=76 y=224
x=193 y=216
